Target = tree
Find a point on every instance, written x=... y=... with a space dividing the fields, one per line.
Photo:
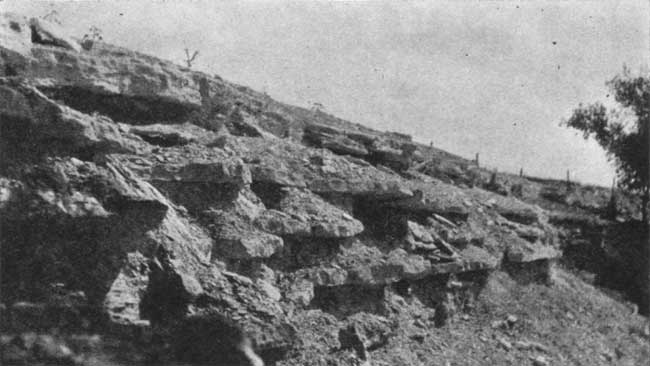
x=94 y=35
x=624 y=133
x=190 y=59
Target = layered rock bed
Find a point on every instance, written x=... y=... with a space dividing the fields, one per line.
x=153 y=213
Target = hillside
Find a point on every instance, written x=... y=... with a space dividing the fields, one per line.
x=152 y=213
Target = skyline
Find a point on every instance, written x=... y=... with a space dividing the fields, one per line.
x=493 y=77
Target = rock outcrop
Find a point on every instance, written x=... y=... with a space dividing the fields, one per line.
x=110 y=186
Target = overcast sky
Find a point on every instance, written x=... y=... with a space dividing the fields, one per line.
x=494 y=77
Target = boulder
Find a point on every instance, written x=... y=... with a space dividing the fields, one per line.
x=393 y=154
x=243 y=303
x=236 y=237
x=521 y=251
x=41 y=125
x=334 y=140
x=55 y=61
x=166 y=135
x=199 y=182
x=450 y=170
x=303 y=213
x=418 y=233
x=461 y=235
x=525 y=216
x=232 y=225
x=52 y=34
x=228 y=171
x=363 y=333
x=411 y=266
x=435 y=198
x=283 y=224
x=299 y=291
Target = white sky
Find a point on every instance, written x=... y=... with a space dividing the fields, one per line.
x=494 y=77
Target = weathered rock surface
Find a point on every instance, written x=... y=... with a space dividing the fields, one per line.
x=123 y=299
x=436 y=198
x=167 y=135
x=287 y=163
x=235 y=232
x=28 y=115
x=173 y=199
x=302 y=213
x=520 y=251
x=334 y=140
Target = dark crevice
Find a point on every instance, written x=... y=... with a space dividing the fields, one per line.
x=271 y=194
x=197 y=197
x=345 y=300
x=10 y=70
x=300 y=253
x=137 y=110
x=21 y=142
x=210 y=339
x=538 y=271
x=381 y=221
x=84 y=254
x=41 y=247
x=447 y=294
x=164 y=141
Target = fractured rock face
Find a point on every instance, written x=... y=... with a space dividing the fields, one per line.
x=122 y=302
x=438 y=198
x=234 y=230
x=88 y=217
x=334 y=140
x=288 y=164
x=172 y=167
x=359 y=264
x=28 y=115
x=118 y=180
x=240 y=300
x=302 y=213
x=371 y=330
x=90 y=69
x=76 y=189
x=167 y=135
x=237 y=238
